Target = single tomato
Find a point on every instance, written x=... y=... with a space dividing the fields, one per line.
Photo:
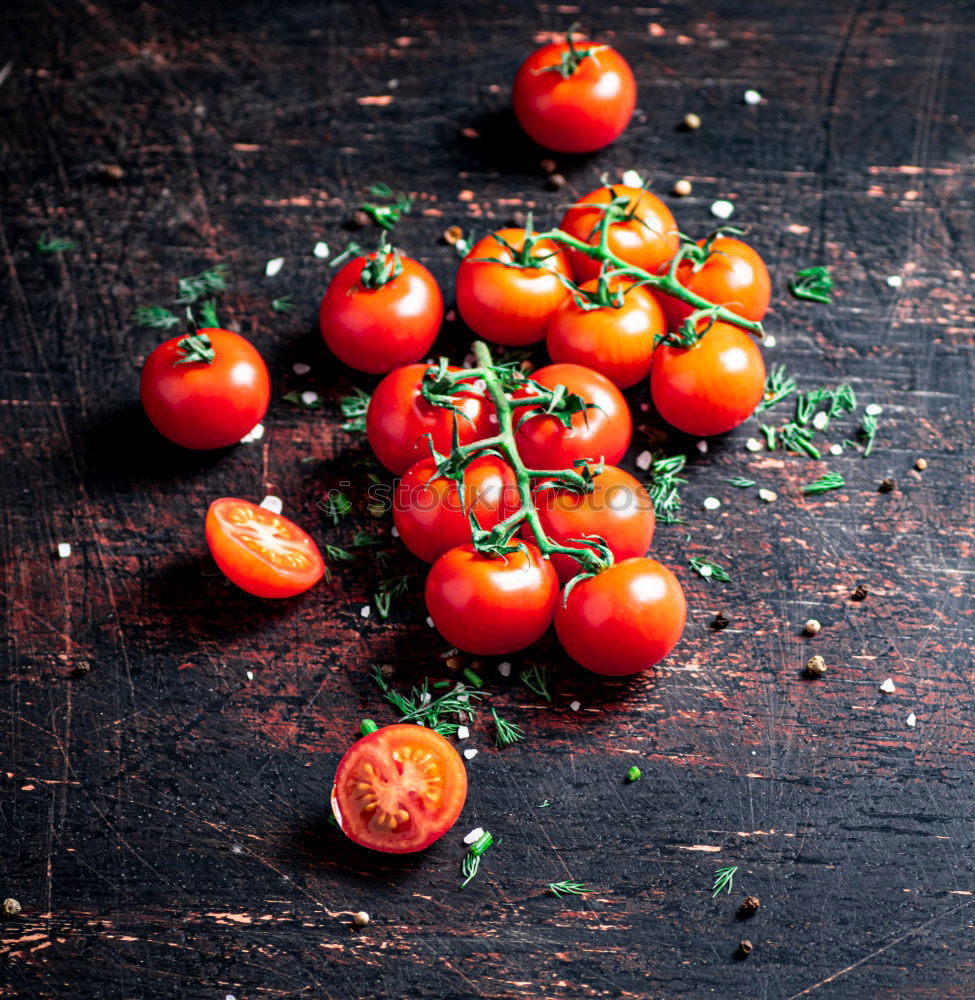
x=428 y=511
x=263 y=553
x=399 y=418
x=399 y=789
x=728 y=273
x=642 y=230
x=492 y=605
x=600 y=433
x=711 y=387
x=619 y=511
x=616 y=340
x=622 y=620
x=510 y=304
x=205 y=390
x=574 y=96
x=381 y=311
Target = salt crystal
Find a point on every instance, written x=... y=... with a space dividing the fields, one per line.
x=702 y=447
x=705 y=570
x=875 y=409
x=254 y=434
x=321 y=250
x=888 y=686
x=475 y=834
x=300 y=368
x=769 y=496
x=429 y=622
x=309 y=398
x=632 y=179
x=273 y=504
x=394 y=531
x=752 y=97
x=250 y=675
x=425 y=698
x=722 y=209
x=769 y=340
x=64 y=550
x=504 y=669
x=711 y=503
x=366 y=611
x=753 y=444
x=273 y=266
x=462 y=733
x=821 y=420
x=895 y=281
x=912 y=720
x=644 y=460
x=836 y=449
x=470 y=754
x=575 y=705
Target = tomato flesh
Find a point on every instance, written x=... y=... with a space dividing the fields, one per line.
x=399 y=789
x=262 y=552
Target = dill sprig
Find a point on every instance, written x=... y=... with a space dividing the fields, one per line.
x=363 y=540
x=420 y=707
x=740 y=482
x=537 y=678
x=777 y=387
x=390 y=590
x=813 y=284
x=472 y=860
x=768 y=432
x=506 y=733
x=708 y=569
x=826 y=482
x=354 y=410
x=337 y=554
x=868 y=429
x=568 y=889
x=199 y=285
x=57 y=244
x=155 y=317
x=284 y=304
x=723 y=880
x=335 y=505
x=664 y=487
x=296 y=398
x=796 y=438
x=386 y=216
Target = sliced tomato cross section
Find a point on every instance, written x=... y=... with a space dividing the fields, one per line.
x=399 y=789
x=262 y=552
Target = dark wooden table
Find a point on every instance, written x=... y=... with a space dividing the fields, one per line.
x=164 y=814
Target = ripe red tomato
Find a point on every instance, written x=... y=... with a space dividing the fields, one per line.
x=506 y=304
x=711 y=387
x=492 y=605
x=544 y=442
x=428 y=512
x=398 y=418
x=263 y=553
x=205 y=404
x=622 y=620
x=572 y=104
x=619 y=511
x=646 y=237
x=399 y=789
x=378 y=328
x=616 y=341
x=732 y=275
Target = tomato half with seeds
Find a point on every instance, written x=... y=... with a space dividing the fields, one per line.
x=492 y=605
x=399 y=789
x=619 y=511
x=602 y=432
x=399 y=418
x=623 y=620
x=574 y=96
x=431 y=517
x=376 y=325
x=709 y=388
x=730 y=273
x=262 y=552
x=509 y=304
x=645 y=234
x=616 y=340
x=205 y=390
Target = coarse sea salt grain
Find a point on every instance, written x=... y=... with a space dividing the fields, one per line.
x=821 y=420
x=632 y=179
x=753 y=444
x=470 y=754
x=475 y=834
x=895 y=281
x=711 y=503
x=912 y=720
x=254 y=434
x=702 y=447
x=769 y=496
x=394 y=531
x=430 y=622
x=769 y=340
x=366 y=611
x=752 y=97
x=309 y=397
x=575 y=705
x=643 y=460
x=463 y=732
x=273 y=504
x=722 y=209
x=321 y=250
x=250 y=675
x=504 y=669
x=888 y=687
x=300 y=368
x=875 y=409
x=273 y=266
x=836 y=449
x=64 y=550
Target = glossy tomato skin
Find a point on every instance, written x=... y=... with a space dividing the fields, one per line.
x=617 y=342
x=544 y=443
x=261 y=552
x=711 y=387
x=510 y=305
x=202 y=406
x=488 y=605
x=619 y=511
x=398 y=417
x=375 y=330
x=647 y=240
x=733 y=275
x=581 y=113
x=623 y=620
x=429 y=514
x=399 y=789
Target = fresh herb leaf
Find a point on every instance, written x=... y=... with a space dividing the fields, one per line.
x=354 y=409
x=57 y=244
x=363 y=540
x=826 y=482
x=723 y=880
x=335 y=505
x=708 y=569
x=284 y=304
x=777 y=387
x=388 y=591
x=536 y=678
x=868 y=429
x=386 y=216
x=337 y=554
x=740 y=482
x=208 y=315
x=155 y=317
x=199 y=285
x=568 y=889
x=421 y=708
x=664 y=487
x=796 y=438
x=813 y=284
x=505 y=733
x=296 y=398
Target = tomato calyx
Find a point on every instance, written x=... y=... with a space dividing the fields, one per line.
x=698 y=255
x=195 y=348
x=382 y=266
x=572 y=58
x=690 y=332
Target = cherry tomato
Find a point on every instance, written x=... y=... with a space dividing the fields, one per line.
x=427 y=508
x=263 y=553
x=619 y=511
x=604 y=433
x=205 y=404
x=378 y=328
x=492 y=605
x=506 y=304
x=398 y=417
x=616 y=341
x=711 y=387
x=645 y=237
x=399 y=789
x=731 y=275
x=574 y=97
x=622 y=620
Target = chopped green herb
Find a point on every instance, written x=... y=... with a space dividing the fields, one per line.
x=335 y=505
x=723 y=880
x=421 y=708
x=208 y=314
x=354 y=410
x=537 y=678
x=813 y=284
x=664 y=488
x=472 y=860
x=284 y=304
x=568 y=889
x=388 y=591
x=826 y=482
x=708 y=569
x=868 y=428
x=199 y=285
x=505 y=733
x=57 y=244
x=740 y=482
x=796 y=438
x=299 y=399
x=386 y=216
x=155 y=317
x=634 y=774
x=338 y=555
x=768 y=432
x=545 y=804
x=777 y=387
x=363 y=540
x=472 y=678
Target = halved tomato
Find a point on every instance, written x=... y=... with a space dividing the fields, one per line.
x=399 y=789
x=262 y=552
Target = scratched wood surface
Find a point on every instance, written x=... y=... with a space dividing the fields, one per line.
x=164 y=814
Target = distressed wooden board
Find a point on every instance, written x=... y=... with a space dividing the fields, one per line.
x=164 y=815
